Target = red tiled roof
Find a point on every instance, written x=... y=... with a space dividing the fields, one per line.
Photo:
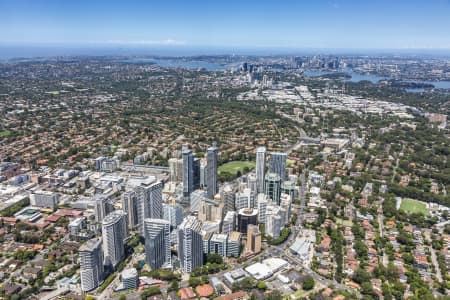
x=205 y=290
x=187 y=293
x=53 y=218
x=68 y=213
x=233 y=296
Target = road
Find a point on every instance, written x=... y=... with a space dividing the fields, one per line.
x=385 y=259
x=301 y=132
x=107 y=292
x=434 y=260
x=396 y=165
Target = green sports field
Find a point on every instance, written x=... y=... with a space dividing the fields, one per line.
x=5 y=133
x=414 y=206
x=233 y=167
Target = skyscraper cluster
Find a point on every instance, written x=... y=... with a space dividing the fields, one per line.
x=216 y=223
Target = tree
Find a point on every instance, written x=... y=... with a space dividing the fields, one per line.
x=151 y=291
x=308 y=283
x=261 y=285
x=122 y=297
x=366 y=288
x=361 y=249
x=194 y=281
x=408 y=258
x=361 y=276
x=173 y=286
x=275 y=295
x=214 y=258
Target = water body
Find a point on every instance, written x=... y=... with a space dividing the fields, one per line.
x=178 y=63
x=357 y=77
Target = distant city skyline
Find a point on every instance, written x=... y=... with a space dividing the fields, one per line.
x=231 y=25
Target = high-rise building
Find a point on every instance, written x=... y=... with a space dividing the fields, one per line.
x=44 y=199
x=130 y=279
x=252 y=184
x=285 y=204
x=274 y=223
x=106 y=164
x=210 y=210
x=244 y=199
x=102 y=207
x=211 y=226
x=190 y=244
x=149 y=202
x=227 y=196
x=278 y=164
x=188 y=173
x=98 y=162
x=229 y=222
x=246 y=217
x=157 y=243
x=91 y=264
x=253 y=239
x=289 y=187
x=176 y=169
x=260 y=168
x=273 y=187
x=76 y=225
x=196 y=172
x=262 y=202
x=129 y=205
x=206 y=238
x=218 y=244
x=234 y=244
x=202 y=174
x=114 y=233
x=212 y=187
x=173 y=214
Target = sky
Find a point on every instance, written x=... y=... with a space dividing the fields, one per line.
x=300 y=24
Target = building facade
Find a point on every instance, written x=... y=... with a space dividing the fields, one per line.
x=129 y=205
x=212 y=187
x=188 y=173
x=157 y=243
x=218 y=244
x=273 y=187
x=190 y=244
x=173 y=214
x=254 y=239
x=246 y=217
x=149 y=202
x=278 y=164
x=114 y=233
x=229 y=222
x=260 y=168
x=91 y=264
x=44 y=199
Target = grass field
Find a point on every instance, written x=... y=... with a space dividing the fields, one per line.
x=53 y=92
x=5 y=133
x=414 y=206
x=289 y=162
x=339 y=221
x=233 y=167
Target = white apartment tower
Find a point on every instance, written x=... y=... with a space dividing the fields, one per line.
x=190 y=244
x=260 y=168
